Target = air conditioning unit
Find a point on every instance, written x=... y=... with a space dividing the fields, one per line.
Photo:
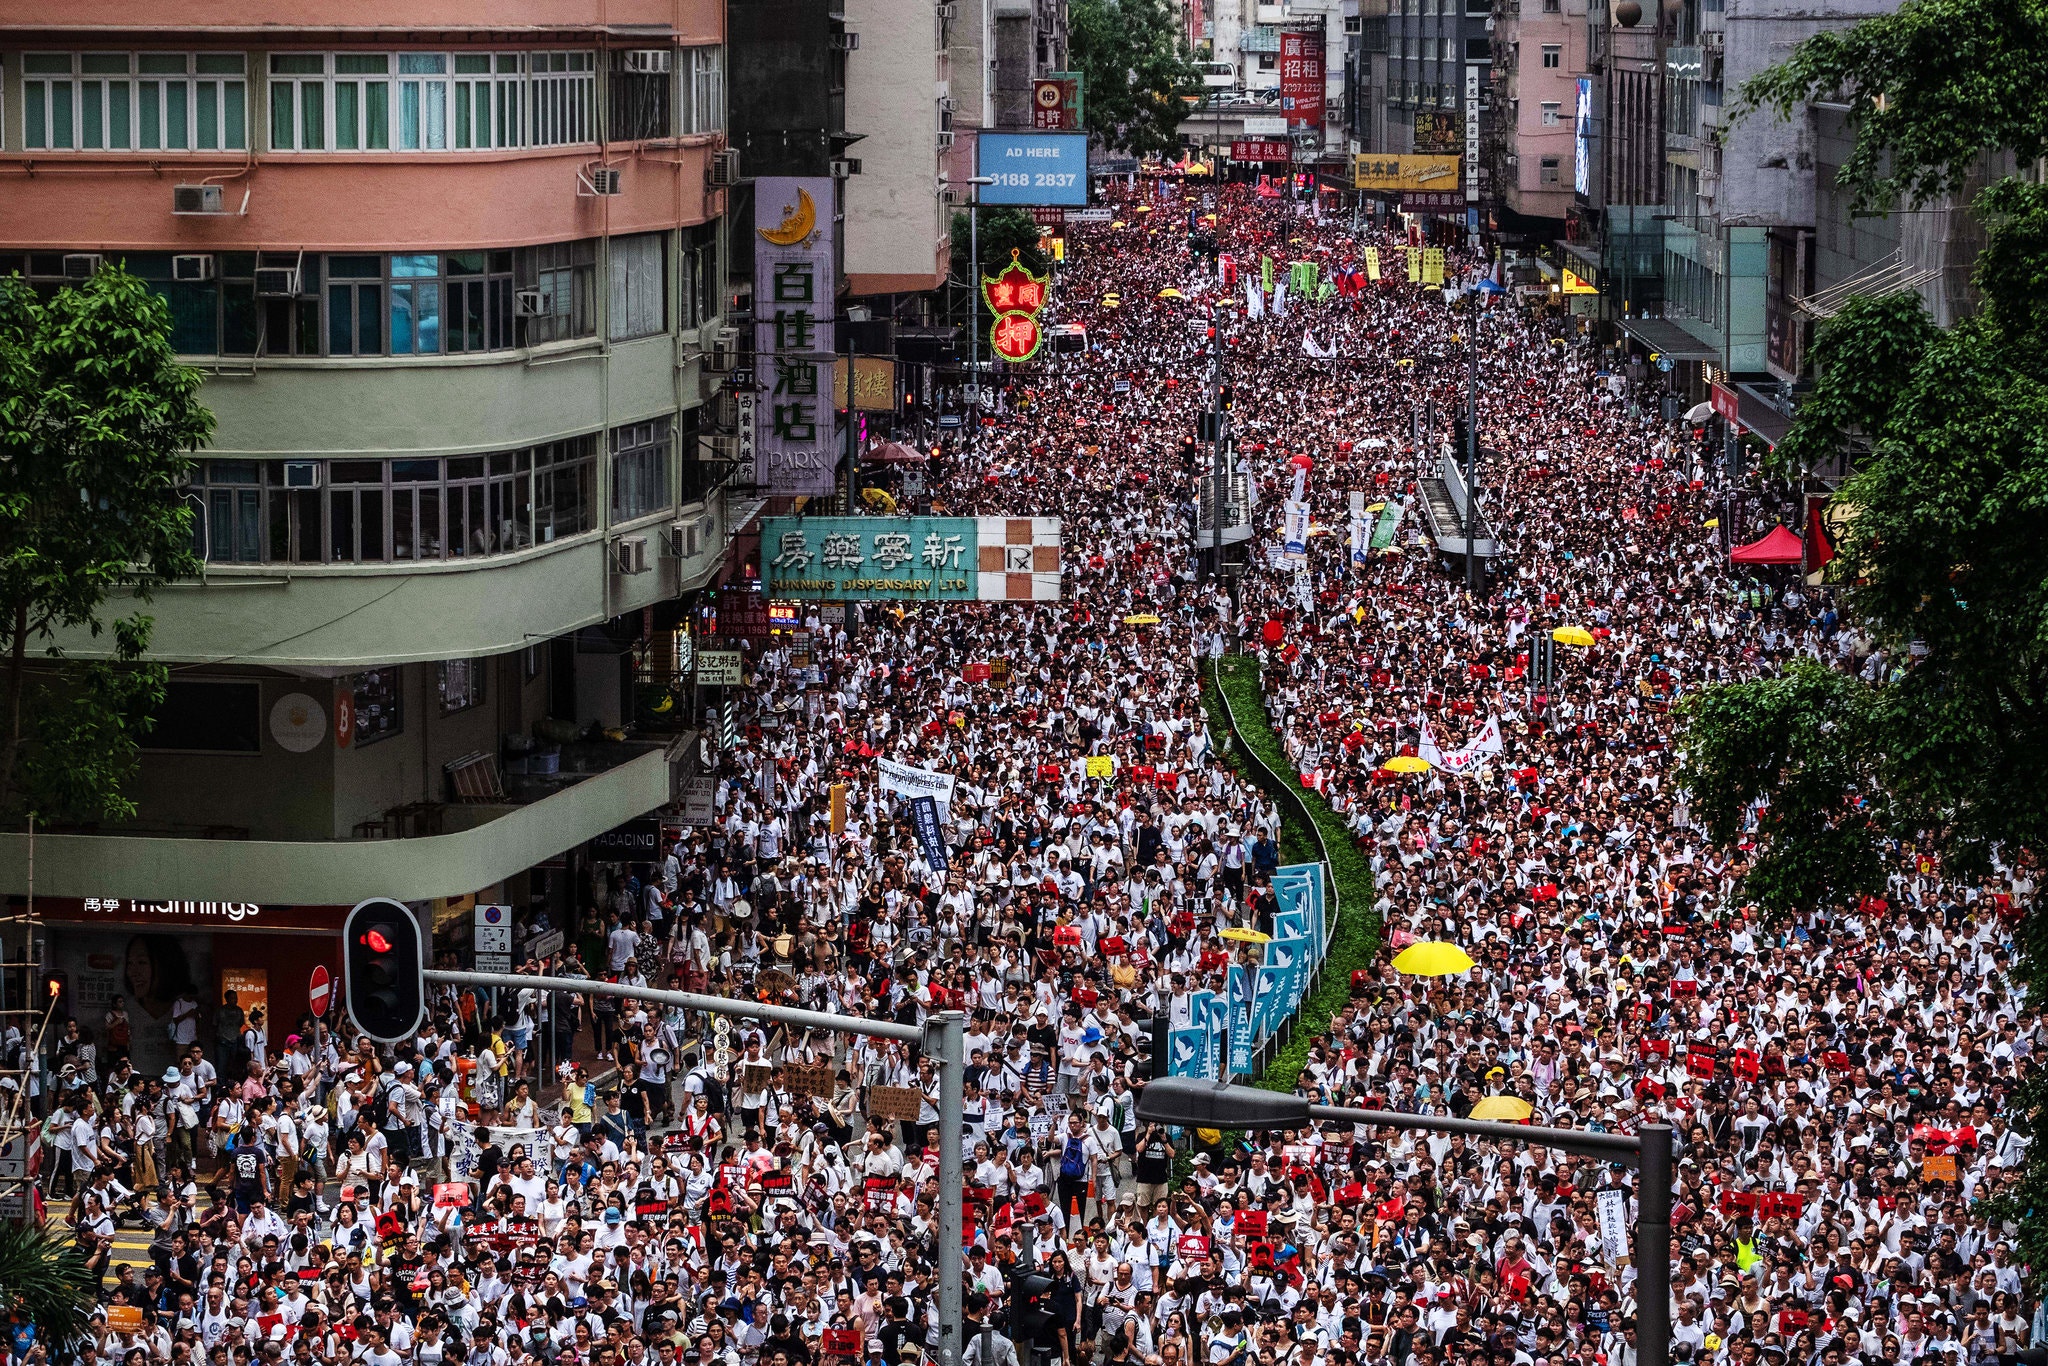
x=81 y=265
x=945 y=138
x=690 y=536
x=723 y=170
x=529 y=303
x=845 y=166
x=846 y=42
x=192 y=268
x=302 y=474
x=630 y=554
x=196 y=199
x=724 y=352
x=651 y=61
x=277 y=282
x=945 y=11
x=599 y=180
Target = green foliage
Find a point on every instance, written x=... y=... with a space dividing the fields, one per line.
x=1800 y=742
x=1136 y=69
x=1002 y=230
x=1355 y=937
x=97 y=423
x=47 y=1282
x=1931 y=87
x=1862 y=358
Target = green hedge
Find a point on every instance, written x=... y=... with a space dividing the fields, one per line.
x=1355 y=939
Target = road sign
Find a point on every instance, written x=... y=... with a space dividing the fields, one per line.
x=319 y=991
x=493 y=939
x=14 y=1158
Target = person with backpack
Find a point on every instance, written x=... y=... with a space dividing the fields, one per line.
x=1075 y=1167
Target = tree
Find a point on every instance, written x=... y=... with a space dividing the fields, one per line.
x=1943 y=749
x=47 y=1283
x=1135 y=69
x=97 y=424
x=1001 y=230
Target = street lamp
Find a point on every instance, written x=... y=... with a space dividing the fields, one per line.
x=974 y=302
x=1472 y=574
x=1196 y=1104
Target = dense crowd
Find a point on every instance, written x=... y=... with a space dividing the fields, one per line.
x=601 y=1180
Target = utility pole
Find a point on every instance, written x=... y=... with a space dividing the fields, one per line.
x=1472 y=570
x=1216 y=439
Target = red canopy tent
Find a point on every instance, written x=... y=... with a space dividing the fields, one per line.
x=1780 y=547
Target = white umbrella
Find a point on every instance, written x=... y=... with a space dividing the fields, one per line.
x=1699 y=412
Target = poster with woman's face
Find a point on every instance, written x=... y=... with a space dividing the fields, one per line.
x=149 y=971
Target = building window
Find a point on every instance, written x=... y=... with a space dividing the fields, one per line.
x=477 y=315
x=461 y=684
x=640 y=460
x=1547 y=172
x=640 y=101
x=703 y=89
x=377 y=704
x=700 y=285
x=430 y=101
x=1553 y=56
x=1550 y=113
x=372 y=511
x=639 y=292
x=565 y=273
x=134 y=102
x=208 y=716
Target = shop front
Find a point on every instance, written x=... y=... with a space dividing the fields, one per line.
x=153 y=954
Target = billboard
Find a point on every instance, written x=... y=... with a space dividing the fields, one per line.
x=1380 y=171
x=1301 y=80
x=1032 y=169
x=919 y=559
x=796 y=287
x=1261 y=149
x=1438 y=132
x=1056 y=102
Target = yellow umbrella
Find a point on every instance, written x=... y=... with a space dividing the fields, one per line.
x=1502 y=1107
x=879 y=499
x=1405 y=360
x=1572 y=635
x=1406 y=763
x=1118 y=223
x=1142 y=208
x=1170 y=293
x=1141 y=619
x=1208 y=218
x=1246 y=936
x=1431 y=959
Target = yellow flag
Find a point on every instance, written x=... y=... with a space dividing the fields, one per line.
x=1433 y=266
x=1372 y=264
x=1414 y=264
x=1712 y=522
x=1101 y=766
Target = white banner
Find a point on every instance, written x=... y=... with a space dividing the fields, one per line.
x=1294 y=540
x=1460 y=761
x=1614 y=1224
x=906 y=781
x=464 y=1151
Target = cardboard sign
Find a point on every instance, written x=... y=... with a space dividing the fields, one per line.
x=1941 y=1167
x=895 y=1102
x=809 y=1079
x=124 y=1318
x=1192 y=1247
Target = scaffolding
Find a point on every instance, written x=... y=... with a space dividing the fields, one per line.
x=28 y=1003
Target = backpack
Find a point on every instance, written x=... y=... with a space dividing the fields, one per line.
x=1073 y=1160
x=714 y=1091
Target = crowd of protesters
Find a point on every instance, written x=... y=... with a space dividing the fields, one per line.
x=600 y=1180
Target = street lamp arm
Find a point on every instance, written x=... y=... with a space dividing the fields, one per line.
x=1619 y=1148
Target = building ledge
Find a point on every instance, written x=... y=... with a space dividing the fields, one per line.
x=342 y=872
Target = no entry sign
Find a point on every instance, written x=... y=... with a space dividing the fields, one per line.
x=318 y=992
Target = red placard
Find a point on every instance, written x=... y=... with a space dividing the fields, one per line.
x=1192 y=1247
x=1301 y=80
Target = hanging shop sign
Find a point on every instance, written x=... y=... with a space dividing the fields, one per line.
x=926 y=559
x=795 y=285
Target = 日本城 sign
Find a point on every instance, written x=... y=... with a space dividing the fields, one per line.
x=924 y=559
x=1377 y=171
x=795 y=288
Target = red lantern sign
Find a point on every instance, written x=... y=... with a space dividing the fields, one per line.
x=1014 y=289
x=1016 y=337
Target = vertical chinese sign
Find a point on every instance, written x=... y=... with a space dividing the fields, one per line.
x=1301 y=81
x=796 y=288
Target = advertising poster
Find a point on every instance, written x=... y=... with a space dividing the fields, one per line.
x=152 y=972
x=1301 y=81
x=796 y=287
x=252 y=993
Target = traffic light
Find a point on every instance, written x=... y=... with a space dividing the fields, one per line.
x=1031 y=1316
x=383 y=960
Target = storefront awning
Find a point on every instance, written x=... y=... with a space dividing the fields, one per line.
x=1667 y=338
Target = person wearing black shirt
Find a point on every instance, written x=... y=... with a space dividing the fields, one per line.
x=896 y=1331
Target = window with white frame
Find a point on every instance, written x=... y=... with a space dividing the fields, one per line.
x=1551 y=110
x=1553 y=56
x=702 y=89
x=1548 y=172
x=638 y=289
x=134 y=101
x=430 y=101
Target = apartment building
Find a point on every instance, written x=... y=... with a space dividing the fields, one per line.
x=455 y=274
x=1539 y=49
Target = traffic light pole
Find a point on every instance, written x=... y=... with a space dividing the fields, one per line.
x=942 y=1037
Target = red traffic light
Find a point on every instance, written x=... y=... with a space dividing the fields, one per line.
x=377 y=942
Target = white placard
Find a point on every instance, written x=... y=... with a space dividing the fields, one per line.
x=1614 y=1224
